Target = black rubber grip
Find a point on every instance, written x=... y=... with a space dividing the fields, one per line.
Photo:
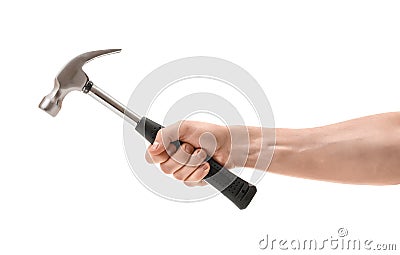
x=239 y=191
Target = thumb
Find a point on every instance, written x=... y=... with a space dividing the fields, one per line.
x=161 y=142
x=157 y=147
x=163 y=139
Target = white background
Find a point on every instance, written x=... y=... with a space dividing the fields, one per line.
x=65 y=185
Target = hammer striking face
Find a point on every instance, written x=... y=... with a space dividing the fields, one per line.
x=71 y=78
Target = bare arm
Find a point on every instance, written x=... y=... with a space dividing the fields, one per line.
x=360 y=151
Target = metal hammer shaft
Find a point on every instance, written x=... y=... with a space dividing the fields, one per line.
x=111 y=103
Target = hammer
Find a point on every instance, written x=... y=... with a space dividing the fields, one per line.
x=72 y=77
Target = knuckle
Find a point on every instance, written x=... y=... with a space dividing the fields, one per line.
x=171 y=149
x=159 y=134
x=148 y=158
x=183 y=125
x=166 y=168
x=162 y=136
x=149 y=151
x=201 y=154
x=189 y=183
x=178 y=175
x=206 y=167
x=188 y=148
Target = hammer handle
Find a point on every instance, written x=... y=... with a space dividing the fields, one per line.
x=239 y=191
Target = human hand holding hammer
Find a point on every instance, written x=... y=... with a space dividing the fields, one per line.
x=231 y=146
x=73 y=78
x=362 y=151
x=359 y=151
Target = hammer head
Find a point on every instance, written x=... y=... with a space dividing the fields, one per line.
x=71 y=78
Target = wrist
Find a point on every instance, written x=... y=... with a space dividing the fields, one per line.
x=251 y=147
x=290 y=145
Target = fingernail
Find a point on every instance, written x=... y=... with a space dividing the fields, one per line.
x=155 y=146
x=204 y=167
x=187 y=148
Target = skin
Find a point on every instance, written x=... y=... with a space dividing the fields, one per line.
x=360 y=151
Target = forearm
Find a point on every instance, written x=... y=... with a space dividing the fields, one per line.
x=360 y=151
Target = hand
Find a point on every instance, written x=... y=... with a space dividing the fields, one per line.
x=199 y=139
x=358 y=151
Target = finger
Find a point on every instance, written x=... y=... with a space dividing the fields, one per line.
x=178 y=160
x=164 y=137
x=195 y=160
x=168 y=135
x=198 y=174
x=195 y=184
x=156 y=159
x=159 y=158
